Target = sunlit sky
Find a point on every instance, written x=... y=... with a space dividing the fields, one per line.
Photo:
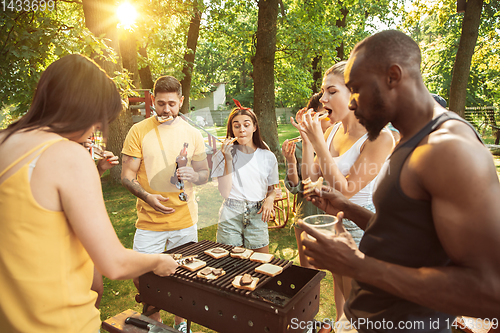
x=127 y=15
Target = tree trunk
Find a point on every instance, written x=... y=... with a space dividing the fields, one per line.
x=317 y=74
x=98 y=19
x=145 y=72
x=98 y=14
x=192 y=41
x=128 y=51
x=118 y=130
x=263 y=74
x=461 y=68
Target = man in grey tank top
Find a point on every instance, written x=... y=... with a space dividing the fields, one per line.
x=432 y=249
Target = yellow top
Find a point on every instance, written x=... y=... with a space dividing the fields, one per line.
x=158 y=145
x=45 y=272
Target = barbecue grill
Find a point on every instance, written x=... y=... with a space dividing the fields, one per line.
x=216 y=304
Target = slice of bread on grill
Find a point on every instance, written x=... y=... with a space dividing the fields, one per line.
x=241 y=253
x=217 y=252
x=237 y=282
x=261 y=257
x=176 y=256
x=269 y=269
x=195 y=265
x=210 y=273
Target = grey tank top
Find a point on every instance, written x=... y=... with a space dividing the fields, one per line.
x=401 y=232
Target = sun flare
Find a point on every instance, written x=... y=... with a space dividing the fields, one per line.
x=127 y=15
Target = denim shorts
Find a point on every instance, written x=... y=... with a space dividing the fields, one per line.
x=355 y=231
x=240 y=225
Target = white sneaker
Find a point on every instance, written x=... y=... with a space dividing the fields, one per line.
x=182 y=327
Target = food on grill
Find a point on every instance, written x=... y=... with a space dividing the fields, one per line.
x=210 y=273
x=238 y=250
x=205 y=271
x=249 y=283
x=186 y=260
x=164 y=119
x=195 y=265
x=217 y=252
x=310 y=186
x=261 y=257
x=241 y=253
x=269 y=269
x=176 y=256
x=246 y=279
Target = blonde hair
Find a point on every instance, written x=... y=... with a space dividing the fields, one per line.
x=337 y=69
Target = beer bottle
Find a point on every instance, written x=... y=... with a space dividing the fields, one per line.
x=181 y=160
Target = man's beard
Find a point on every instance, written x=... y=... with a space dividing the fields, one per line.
x=377 y=122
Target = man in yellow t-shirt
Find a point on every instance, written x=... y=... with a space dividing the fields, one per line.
x=165 y=216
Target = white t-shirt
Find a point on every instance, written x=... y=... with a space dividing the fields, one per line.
x=252 y=173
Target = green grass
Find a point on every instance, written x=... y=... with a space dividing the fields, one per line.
x=120 y=204
x=286 y=131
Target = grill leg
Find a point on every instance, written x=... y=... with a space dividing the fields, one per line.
x=147 y=312
x=188 y=325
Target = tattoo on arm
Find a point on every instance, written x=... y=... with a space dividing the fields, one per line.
x=135 y=188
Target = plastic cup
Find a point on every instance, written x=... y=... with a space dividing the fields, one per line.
x=322 y=222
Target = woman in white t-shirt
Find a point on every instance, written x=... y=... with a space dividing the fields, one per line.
x=347 y=159
x=246 y=172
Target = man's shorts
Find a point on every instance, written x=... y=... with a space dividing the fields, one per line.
x=240 y=225
x=147 y=241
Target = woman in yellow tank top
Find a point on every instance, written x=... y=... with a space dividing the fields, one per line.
x=54 y=225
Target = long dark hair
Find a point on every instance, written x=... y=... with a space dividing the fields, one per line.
x=73 y=94
x=256 y=137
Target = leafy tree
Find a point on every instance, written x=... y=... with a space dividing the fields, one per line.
x=225 y=47
x=437 y=28
x=30 y=41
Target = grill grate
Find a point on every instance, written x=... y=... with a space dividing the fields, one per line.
x=232 y=266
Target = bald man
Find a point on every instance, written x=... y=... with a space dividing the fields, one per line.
x=432 y=249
